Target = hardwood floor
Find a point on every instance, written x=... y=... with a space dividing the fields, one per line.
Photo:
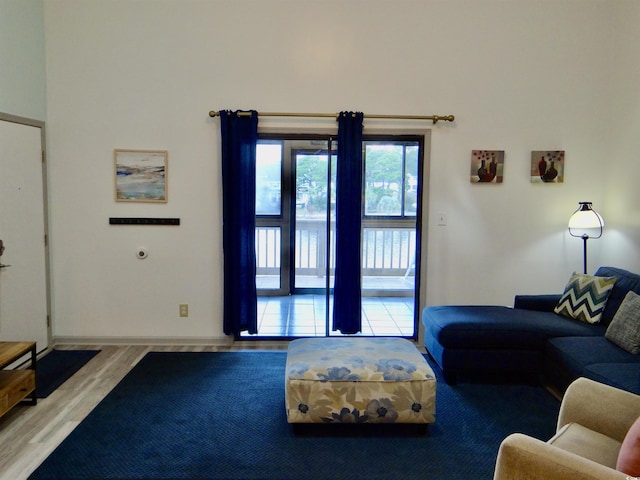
x=28 y=434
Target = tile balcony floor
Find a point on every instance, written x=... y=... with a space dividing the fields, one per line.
x=304 y=316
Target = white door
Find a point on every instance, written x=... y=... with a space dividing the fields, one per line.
x=23 y=278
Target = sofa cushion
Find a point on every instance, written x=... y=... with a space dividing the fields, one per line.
x=585 y=297
x=625 y=281
x=567 y=358
x=578 y=352
x=624 y=329
x=629 y=457
x=498 y=327
x=625 y=376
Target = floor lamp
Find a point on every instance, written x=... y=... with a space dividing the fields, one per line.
x=585 y=218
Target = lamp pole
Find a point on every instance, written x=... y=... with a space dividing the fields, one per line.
x=585 y=237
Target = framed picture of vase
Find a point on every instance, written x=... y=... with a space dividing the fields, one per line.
x=547 y=166
x=487 y=166
x=141 y=175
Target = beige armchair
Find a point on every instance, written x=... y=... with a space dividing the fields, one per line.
x=593 y=421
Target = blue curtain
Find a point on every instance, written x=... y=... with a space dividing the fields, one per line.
x=347 y=291
x=239 y=136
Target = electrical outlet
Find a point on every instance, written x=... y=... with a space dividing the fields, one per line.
x=184 y=310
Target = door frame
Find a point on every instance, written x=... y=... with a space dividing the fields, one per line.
x=30 y=122
x=421 y=225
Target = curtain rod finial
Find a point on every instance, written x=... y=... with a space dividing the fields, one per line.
x=446 y=118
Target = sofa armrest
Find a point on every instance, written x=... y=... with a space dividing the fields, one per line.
x=599 y=407
x=542 y=303
x=526 y=458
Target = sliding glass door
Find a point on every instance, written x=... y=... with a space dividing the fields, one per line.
x=390 y=235
x=295 y=222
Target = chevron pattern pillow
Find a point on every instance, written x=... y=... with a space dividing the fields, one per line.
x=585 y=297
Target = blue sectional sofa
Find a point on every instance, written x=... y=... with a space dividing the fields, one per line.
x=531 y=339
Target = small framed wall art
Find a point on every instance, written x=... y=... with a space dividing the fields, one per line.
x=547 y=166
x=141 y=175
x=487 y=166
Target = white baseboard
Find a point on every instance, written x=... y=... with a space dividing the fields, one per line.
x=73 y=340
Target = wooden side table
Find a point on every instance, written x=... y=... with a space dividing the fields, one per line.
x=16 y=385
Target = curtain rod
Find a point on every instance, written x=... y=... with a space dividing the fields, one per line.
x=433 y=118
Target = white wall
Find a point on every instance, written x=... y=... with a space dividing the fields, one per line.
x=621 y=161
x=22 y=63
x=519 y=75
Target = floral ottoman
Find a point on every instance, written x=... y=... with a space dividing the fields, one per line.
x=358 y=380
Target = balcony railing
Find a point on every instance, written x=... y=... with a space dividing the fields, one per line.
x=388 y=248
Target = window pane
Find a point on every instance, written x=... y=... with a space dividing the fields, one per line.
x=310 y=248
x=411 y=180
x=268 y=178
x=384 y=178
x=311 y=183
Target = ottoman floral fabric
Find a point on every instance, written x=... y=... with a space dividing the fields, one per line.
x=358 y=380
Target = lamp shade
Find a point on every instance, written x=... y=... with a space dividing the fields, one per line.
x=585 y=218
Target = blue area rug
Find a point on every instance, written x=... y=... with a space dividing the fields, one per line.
x=57 y=366
x=221 y=416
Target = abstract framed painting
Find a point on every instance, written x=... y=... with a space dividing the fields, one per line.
x=547 y=166
x=487 y=166
x=141 y=175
